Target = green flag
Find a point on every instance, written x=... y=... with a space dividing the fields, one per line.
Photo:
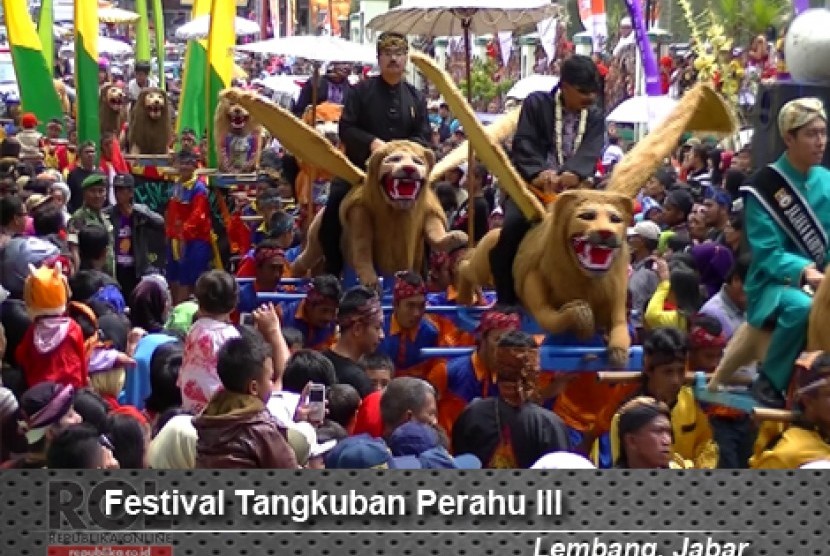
x=192 y=113
x=142 y=32
x=158 y=18
x=46 y=31
x=86 y=70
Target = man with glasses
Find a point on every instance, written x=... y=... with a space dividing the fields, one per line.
x=379 y=109
x=558 y=140
x=333 y=87
x=787 y=220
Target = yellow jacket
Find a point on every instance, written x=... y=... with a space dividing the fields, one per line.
x=658 y=317
x=796 y=447
x=692 y=434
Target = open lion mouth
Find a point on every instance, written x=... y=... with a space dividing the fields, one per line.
x=595 y=253
x=155 y=110
x=116 y=103
x=401 y=186
x=239 y=121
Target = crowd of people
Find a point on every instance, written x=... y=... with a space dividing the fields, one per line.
x=125 y=343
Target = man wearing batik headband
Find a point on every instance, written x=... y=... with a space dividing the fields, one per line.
x=45 y=410
x=316 y=315
x=559 y=138
x=408 y=329
x=269 y=259
x=360 y=319
x=510 y=430
x=808 y=439
x=379 y=109
x=787 y=221
x=462 y=379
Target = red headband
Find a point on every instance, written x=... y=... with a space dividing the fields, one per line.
x=404 y=290
x=494 y=320
x=699 y=337
x=363 y=315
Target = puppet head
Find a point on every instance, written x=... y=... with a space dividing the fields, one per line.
x=112 y=97
x=232 y=117
x=401 y=169
x=238 y=117
x=46 y=291
x=150 y=131
x=593 y=226
x=155 y=103
x=326 y=120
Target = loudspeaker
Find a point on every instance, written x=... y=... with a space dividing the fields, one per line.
x=767 y=144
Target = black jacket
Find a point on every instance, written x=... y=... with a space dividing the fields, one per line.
x=304 y=100
x=534 y=139
x=148 y=239
x=377 y=110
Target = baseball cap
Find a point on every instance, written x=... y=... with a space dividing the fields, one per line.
x=413 y=438
x=646 y=230
x=123 y=180
x=437 y=458
x=360 y=452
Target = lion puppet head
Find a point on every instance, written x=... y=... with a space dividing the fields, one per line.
x=150 y=131
x=112 y=101
x=232 y=118
x=397 y=173
x=591 y=227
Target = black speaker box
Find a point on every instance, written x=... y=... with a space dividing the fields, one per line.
x=767 y=144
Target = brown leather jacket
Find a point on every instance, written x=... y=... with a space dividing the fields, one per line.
x=236 y=431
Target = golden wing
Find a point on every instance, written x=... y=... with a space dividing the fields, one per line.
x=296 y=136
x=489 y=152
x=498 y=131
x=701 y=109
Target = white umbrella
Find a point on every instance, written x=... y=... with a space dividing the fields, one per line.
x=106 y=45
x=198 y=28
x=532 y=84
x=447 y=18
x=117 y=15
x=285 y=84
x=318 y=49
x=642 y=110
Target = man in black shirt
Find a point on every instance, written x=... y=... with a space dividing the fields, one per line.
x=360 y=318
x=378 y=110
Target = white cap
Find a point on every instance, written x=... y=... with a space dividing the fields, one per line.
x=645 y=229
x=625 y=22
x=563 y=460
x=310 y=434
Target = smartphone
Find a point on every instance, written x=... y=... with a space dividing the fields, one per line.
x=246 y=319
x=317 y=403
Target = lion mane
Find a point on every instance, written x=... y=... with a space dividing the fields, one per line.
x=399 y=234
x=148 y=136
x=110 y=121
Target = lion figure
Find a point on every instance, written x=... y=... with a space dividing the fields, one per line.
x=150 y=130
x=238 y=138
x=112 y=109
x=63 y=96
x=387 y=218
x=571 y=269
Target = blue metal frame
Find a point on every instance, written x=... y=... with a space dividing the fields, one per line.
x=564 y=359
x=740 y=400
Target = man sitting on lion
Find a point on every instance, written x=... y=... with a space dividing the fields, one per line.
x=787 y=222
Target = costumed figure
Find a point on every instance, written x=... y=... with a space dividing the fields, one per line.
x=150 y=131
x=787 y=220
x=112 y=110
x=31 y=140
x=313 y=181
x=63 y=96
x=189 y=229
x=53 y=347
x=390 y=214
x=238 y=138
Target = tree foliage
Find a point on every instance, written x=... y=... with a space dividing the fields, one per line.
x=484 y=88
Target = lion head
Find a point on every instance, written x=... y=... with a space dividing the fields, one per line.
x=154 y=102
x=113 y=97
x=238 y=117
x=150 y=131
x=591 y=226
x=400 y=171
